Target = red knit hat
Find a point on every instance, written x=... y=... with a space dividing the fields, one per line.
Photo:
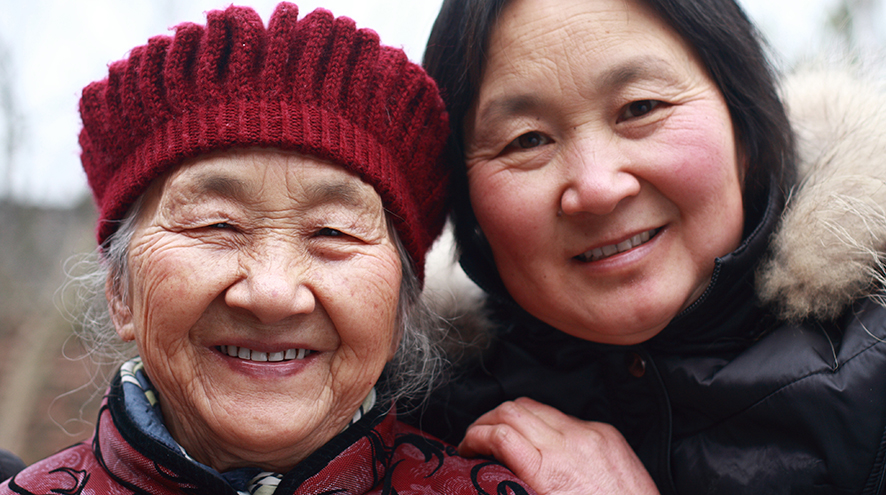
x=317 y=86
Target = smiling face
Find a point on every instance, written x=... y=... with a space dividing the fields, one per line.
x=602 y=167
x=263 y=295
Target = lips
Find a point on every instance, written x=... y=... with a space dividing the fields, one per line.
x=604 y=252
x=263 y=357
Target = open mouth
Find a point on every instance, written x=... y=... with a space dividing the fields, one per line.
x=604 y=252
x=263 y=357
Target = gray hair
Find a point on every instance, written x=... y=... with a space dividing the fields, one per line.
x=415 y=367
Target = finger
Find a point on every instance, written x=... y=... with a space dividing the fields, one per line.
x=550 y=415
x=518 y=417
x=568 y=425
x=504 y=443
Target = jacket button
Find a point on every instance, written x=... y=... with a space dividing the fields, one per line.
x=636 y=365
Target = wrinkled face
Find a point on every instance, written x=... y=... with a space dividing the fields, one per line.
x=263 y=296
x=602 y=166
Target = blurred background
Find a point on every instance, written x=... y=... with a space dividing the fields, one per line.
x=50 y=49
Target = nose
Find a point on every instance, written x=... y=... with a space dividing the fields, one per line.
x=598 y=177
x=275 y=284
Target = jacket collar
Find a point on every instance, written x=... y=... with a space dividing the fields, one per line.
x=728 y=313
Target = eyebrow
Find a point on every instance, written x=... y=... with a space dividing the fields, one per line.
x=346 y=193
x=637 y=68
x=317 y=193
x=633 y=69
x=221 y=185
x=510 y=105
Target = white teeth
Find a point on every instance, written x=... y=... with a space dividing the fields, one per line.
x=597 y=254
x=258 y=356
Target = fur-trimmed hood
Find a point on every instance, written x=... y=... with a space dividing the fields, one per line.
x=828 y=249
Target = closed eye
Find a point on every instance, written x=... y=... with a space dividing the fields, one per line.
x=637 y=109
x=208 y=227
x=329 y=232
x=214 y=232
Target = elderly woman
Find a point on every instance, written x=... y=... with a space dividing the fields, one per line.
x=622 y=169
x=267 y=197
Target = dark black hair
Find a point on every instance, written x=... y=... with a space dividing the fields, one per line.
x=726 y=42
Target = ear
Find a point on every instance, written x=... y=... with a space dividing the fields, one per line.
x=121 y=314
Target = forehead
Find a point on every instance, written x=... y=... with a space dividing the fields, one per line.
x=552 y=32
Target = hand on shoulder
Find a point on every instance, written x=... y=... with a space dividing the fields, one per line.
x=557 y=453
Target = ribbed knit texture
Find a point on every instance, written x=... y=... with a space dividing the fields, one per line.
x=317 y=86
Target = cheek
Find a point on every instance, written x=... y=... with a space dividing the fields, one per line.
x=172 y=288
x=704 y=162
x=705 y=184
x=362 y=302
x=512 y=209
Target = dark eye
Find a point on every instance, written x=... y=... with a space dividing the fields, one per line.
x=638 y=109
x=329 y=232
x=529 y=140
x=220 y=226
